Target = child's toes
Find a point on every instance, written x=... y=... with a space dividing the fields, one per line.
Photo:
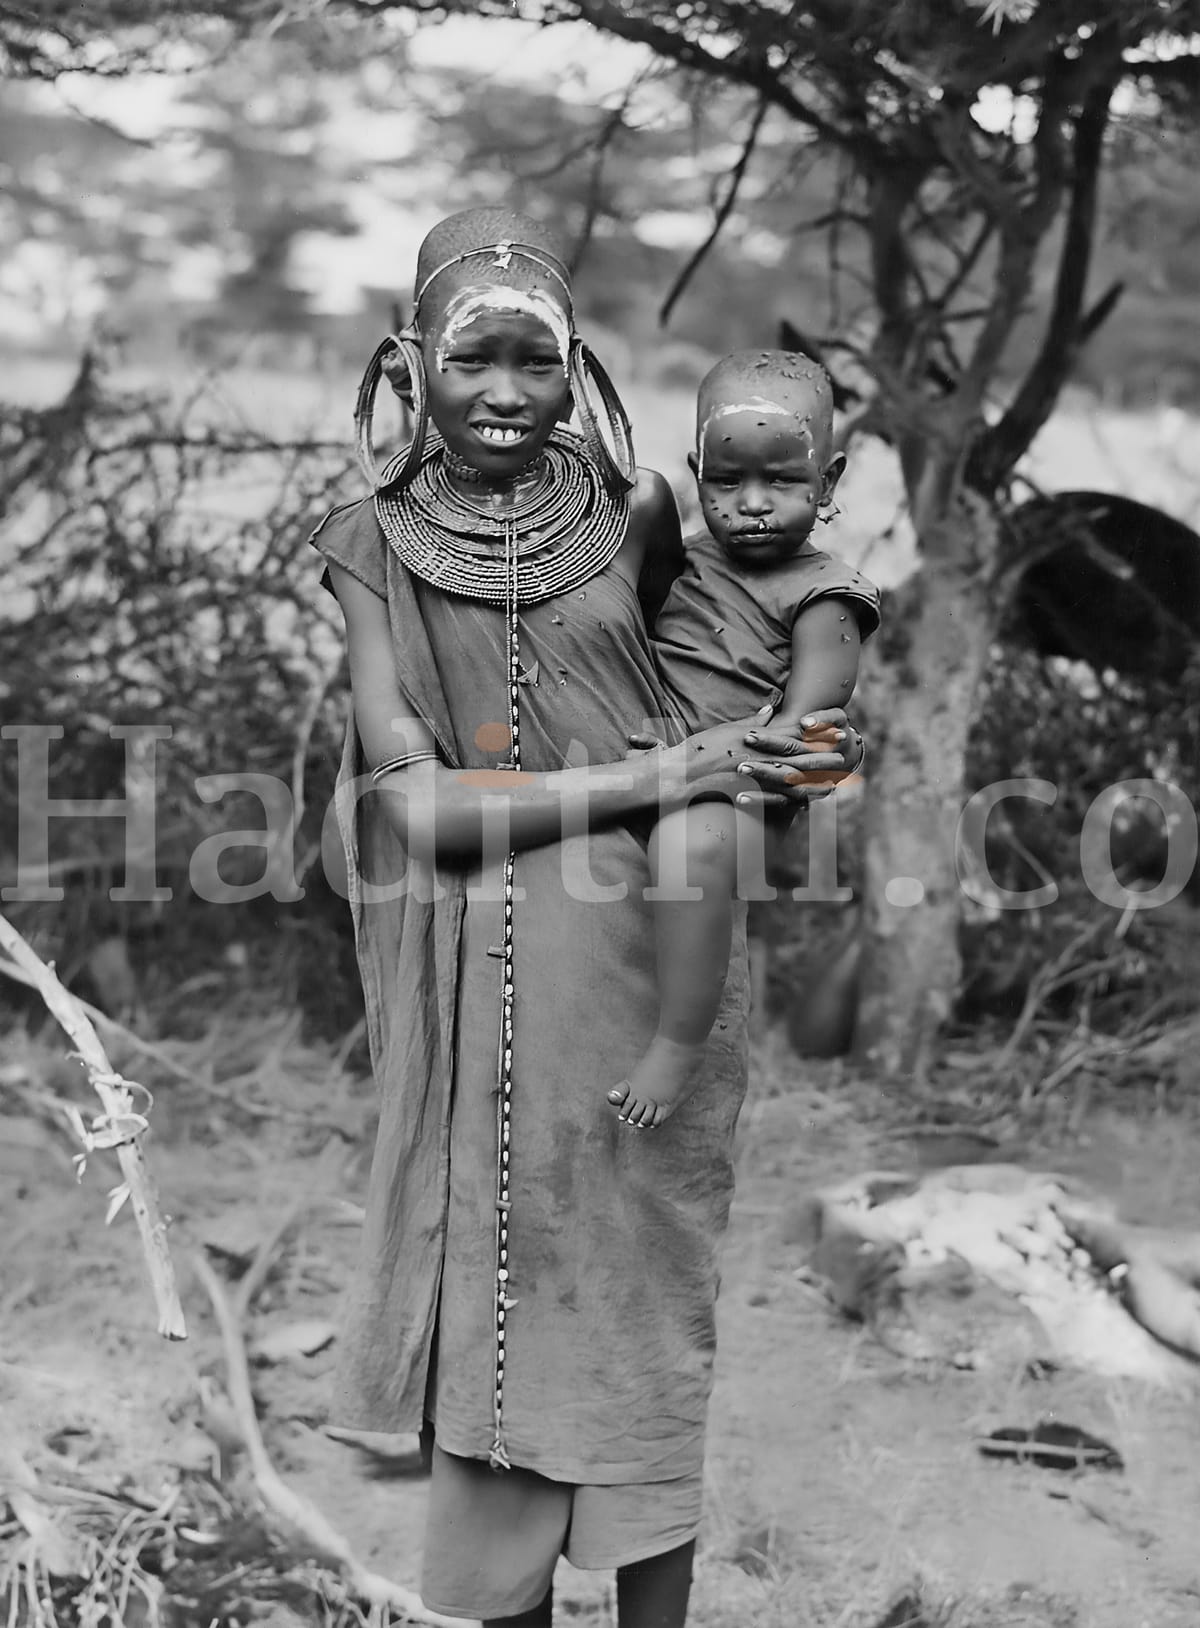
x=619 y=1095
x=629 y=1107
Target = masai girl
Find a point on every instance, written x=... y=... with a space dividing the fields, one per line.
x=537 y=1280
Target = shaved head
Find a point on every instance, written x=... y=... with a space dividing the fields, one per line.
x=778 y=383
x=475 y=230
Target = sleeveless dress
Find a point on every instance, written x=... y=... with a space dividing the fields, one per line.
x=723 y=639
x=613 y=1235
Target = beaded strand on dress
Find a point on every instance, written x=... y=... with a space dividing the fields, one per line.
x=498 y=1457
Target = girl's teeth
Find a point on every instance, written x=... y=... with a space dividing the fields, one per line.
x=492 y=433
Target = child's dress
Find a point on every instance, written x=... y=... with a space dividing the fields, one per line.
x=723 y=639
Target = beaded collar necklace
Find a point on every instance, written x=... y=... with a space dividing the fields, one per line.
x=553 y=534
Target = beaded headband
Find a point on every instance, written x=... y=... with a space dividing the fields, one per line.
x=504 y=251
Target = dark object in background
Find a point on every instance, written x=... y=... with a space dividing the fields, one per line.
x=1119 y=587
x=906 y=1612
x=820 y=1017
x=1051 y=1447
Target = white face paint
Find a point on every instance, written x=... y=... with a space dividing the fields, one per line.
x=469 y=304
x=756 y=404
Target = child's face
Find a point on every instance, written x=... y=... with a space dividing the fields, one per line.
x=497 y=386
x=761 y=476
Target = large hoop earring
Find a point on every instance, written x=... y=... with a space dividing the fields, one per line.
x=409 y=349
x=619 y=472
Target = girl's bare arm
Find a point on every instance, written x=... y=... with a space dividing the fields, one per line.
x=466 y=813
x=654 y=548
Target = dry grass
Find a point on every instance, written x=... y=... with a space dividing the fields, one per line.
x=863 y=1519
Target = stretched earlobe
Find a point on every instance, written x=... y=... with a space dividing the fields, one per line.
x=618 y=467
x=398 y=355
x=396 y=372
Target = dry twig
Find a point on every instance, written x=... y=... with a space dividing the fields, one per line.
x=299 y=1520
x=119 y=1127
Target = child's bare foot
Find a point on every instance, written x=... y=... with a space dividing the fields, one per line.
x=665 y=1078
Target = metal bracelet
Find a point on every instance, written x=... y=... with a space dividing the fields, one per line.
x=402 y=762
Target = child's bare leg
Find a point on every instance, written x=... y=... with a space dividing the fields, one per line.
x=694 y=851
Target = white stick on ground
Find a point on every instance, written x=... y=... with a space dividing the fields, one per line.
x=119 y=1104
x=301 y=1520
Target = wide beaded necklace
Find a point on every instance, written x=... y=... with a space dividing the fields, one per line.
x=553 y=535
x=564 y=527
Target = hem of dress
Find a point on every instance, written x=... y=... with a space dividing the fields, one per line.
x=579 y=1472
x=644 y=1551
x=627 y=1557
x=468 y=1614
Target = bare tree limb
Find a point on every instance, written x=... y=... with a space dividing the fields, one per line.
x=1021 y=231
x=299 y=1519
x=613 y=124
x=748 y=68
x=1001 y=446
x=968 y=260
x=724 y=209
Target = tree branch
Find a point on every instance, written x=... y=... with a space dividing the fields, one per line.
x=723 y=212
x=751 y=70
x=1021 y=232
x=1000 y=447
x=614 y=123
x=968 y=260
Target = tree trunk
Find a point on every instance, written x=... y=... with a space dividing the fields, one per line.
x=938 y=629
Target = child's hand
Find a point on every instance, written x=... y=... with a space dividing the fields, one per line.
x=813 y=756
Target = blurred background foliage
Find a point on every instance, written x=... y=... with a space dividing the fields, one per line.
x=214 y=228
x=253 y=213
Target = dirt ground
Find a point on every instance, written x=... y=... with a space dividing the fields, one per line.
x=842 y=1481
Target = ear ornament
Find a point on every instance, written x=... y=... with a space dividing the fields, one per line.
x=405 y=348
x=618 y=467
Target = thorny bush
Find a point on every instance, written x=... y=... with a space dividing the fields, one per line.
x=156 y=572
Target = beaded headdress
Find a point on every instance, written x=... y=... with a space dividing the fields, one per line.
x=503 y=253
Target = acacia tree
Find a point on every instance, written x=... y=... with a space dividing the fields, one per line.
x=955 y=213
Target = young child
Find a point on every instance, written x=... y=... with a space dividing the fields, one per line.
x=758 y=618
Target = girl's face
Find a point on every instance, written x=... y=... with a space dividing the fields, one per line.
x=497 y=387
x=761 y=481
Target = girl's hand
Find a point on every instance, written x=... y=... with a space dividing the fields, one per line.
x=769 y=764
x=719 y=759
x=804 y=763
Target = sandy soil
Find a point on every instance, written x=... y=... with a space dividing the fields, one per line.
x=840 y=1477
